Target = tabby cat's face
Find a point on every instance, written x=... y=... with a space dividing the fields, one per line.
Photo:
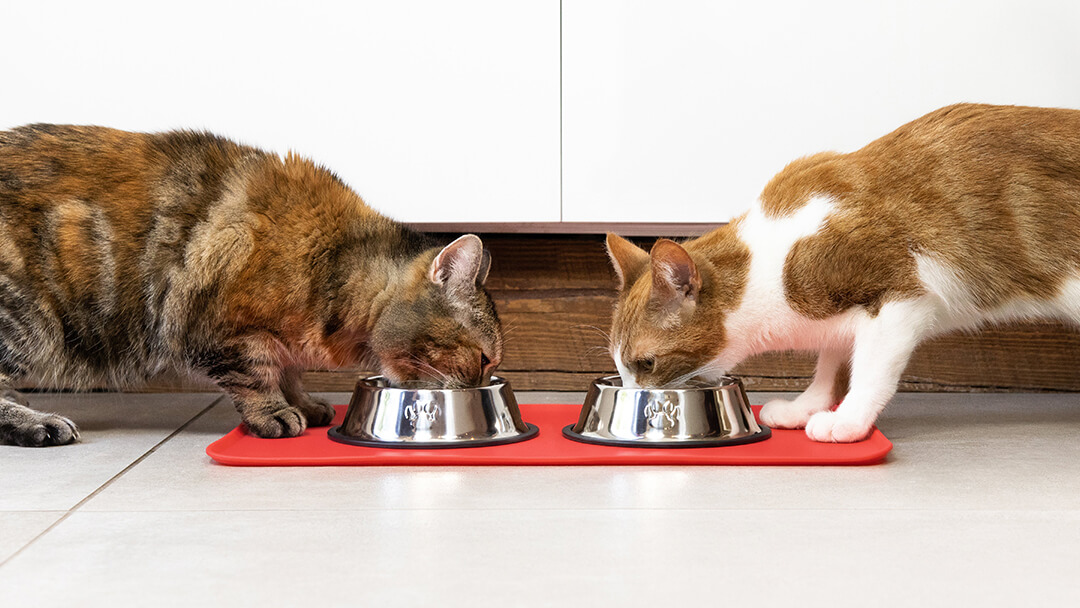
x=441 y=327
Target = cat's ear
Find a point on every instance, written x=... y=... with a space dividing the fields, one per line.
x=676 y=281
x=461 y=265
x=485 y=267
x=629 y=260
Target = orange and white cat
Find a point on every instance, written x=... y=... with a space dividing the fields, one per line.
x=967 y=216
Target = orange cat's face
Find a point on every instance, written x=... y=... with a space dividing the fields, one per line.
x=668 y=325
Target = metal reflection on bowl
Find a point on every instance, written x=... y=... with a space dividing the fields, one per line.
x=381 y=415
x=701 y=416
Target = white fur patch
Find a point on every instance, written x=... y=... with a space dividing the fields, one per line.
x=764 y=319
x=770 y=239
x=1068 y=301
x=627 y=376
x=957 y=308
x=955 y=302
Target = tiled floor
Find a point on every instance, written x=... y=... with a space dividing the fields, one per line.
x=979 y=504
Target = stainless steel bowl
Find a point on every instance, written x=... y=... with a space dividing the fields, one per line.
x=383 y=416
x=666 y=418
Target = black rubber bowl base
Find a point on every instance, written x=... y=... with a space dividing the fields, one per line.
x=762 y=435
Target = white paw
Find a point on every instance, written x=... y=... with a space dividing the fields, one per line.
x=833 y=427
x=784 y=414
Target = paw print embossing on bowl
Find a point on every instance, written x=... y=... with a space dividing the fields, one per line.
x=662 y=414
x=422 y=414
x=704 y=416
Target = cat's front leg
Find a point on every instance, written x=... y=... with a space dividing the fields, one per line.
x=317 y=411
x=825 y=391
x=246 y=372
x=883 y=346
x=20 y=425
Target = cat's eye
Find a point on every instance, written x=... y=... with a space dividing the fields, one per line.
x=645 y=365
x=484 y=361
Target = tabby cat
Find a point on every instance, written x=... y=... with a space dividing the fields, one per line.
x=123 y=255
x=966 y=216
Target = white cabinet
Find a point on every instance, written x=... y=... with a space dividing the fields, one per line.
x=454 y=114
x=433 y=111
x=680 y=111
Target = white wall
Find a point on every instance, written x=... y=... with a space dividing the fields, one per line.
x=433 y=111
x=449 y=112
x=682 y=110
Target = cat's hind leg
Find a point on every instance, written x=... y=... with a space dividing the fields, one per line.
x=21 y=425
x=828 y=387
x=883 y=345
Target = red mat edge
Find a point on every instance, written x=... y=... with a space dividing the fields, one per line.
x=284 y=452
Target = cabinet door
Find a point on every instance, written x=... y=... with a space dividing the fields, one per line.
x=433 y=111
x=681 y=111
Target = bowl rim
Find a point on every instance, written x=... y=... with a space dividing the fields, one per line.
x=369 y=384
x=609 y=383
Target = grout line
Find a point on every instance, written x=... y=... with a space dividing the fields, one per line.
x=102 y=487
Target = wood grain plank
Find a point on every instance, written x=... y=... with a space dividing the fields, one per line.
x=565 y=262
x=564 y=332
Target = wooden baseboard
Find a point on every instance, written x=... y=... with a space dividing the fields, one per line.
x=532 y=229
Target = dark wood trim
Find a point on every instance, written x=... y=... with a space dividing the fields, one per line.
x=670 y=230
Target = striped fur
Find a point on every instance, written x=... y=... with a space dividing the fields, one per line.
x=123 y=255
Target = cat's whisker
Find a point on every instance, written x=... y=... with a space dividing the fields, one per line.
x=369 y=361
x=609 y=345
x=606 y=335
x=425 y=366
x=685 y=378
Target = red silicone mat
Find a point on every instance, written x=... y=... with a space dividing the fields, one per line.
x=314 y=448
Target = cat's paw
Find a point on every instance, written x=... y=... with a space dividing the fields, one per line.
x=834 y=427
x=41 y=430
x=784 y=414
x=287 y=421
x=317 y=411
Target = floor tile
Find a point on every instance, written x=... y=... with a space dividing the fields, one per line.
x=552 y=558
x=20 y=527
x=115 y=428
x=970 y=452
